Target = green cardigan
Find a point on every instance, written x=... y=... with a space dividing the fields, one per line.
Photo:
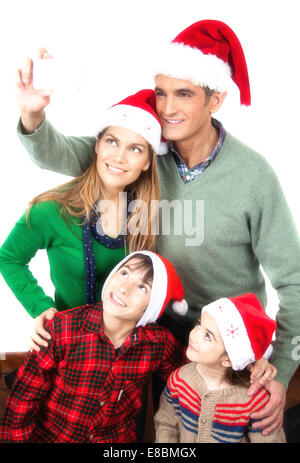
x=47 y=229
x=247 y=223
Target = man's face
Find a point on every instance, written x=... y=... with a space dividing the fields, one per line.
x=181 y=107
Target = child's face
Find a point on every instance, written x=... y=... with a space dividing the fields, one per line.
x=126 y=295
x=206 y=345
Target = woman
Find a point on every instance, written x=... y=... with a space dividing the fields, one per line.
x=66 y=220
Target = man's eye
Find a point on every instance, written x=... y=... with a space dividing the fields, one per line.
x=184 y=94
x=111 y=141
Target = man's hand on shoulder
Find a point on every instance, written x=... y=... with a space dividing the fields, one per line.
x=271 y=416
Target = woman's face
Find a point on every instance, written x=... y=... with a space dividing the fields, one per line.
x=121 y=157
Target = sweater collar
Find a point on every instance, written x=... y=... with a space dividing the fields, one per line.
x=202 y=389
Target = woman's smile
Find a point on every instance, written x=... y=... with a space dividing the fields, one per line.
x=115 y=170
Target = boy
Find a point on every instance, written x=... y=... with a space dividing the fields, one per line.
x=87 y=385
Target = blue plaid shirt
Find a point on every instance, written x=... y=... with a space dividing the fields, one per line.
x=187 y=174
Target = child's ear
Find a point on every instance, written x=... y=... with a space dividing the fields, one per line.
x=225 y=362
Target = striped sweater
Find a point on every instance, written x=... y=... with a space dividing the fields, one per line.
x=189 y=412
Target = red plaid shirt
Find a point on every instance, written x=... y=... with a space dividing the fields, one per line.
x=79 y=389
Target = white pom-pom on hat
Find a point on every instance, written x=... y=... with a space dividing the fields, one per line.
x=180 y=307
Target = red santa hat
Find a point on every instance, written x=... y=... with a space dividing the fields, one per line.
x=137 y=113
x=166 y=286
x=208 y=54
x=245 y=328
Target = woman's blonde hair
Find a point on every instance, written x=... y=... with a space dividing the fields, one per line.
x=79 y=198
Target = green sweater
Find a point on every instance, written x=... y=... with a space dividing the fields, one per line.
x=47 y=229
x=247 y=223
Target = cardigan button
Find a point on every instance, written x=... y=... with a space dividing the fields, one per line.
x=91 y=437
x=102 y=403
x=203 y=420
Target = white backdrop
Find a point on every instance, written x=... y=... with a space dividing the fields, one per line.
x=113 y=42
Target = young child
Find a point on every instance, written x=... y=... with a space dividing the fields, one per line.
x=206 y=400
x=87 y=385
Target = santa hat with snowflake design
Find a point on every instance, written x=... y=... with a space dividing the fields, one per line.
x=137 y=113
x=166 y=286
x=207 y=54
x=245 y=328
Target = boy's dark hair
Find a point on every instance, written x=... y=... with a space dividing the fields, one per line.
x=145 y=263
x=238 y=377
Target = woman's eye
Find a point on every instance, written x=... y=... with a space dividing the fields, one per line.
x=135 y=149
x=123 y=273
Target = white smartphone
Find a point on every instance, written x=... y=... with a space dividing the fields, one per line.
x=57 y=74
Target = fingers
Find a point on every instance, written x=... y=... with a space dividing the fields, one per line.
x=33 y=346
x=19 y=80
x=269 y=423
x=263 y=371
x=40 y=335
x=27 y=71
x=263 y=377
x=254 y=388
x=275 y=425
x=50 y=313
x=269 y=374
x=39 y=338
x=43 y=53
x=257 y=371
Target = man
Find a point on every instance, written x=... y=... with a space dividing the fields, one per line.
x=247 y=222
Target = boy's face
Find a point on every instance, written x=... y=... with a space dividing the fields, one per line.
x=206 y=345
x=126 y=295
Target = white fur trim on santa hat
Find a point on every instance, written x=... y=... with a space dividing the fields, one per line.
x=187 y=63
x=159 y=290
x=159 y=286
x=233 y=332
x=268 y=352
x=136 y=119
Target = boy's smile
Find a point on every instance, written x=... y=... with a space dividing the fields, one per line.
x=115 y=300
